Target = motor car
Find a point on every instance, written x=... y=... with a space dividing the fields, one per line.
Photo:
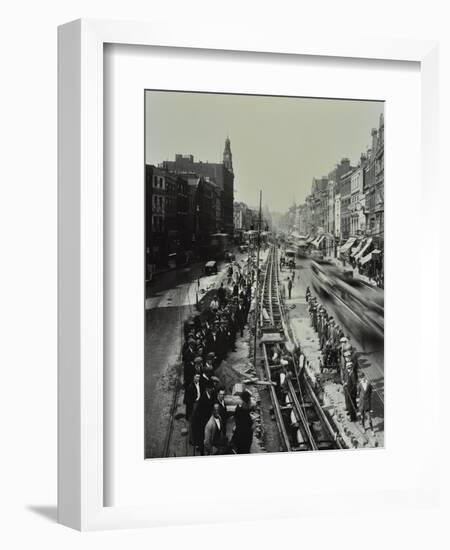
x=290 y=258
x=229 y=256
x=210 y=268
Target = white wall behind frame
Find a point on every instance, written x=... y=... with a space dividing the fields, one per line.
x=128 y=70
x=29 y=484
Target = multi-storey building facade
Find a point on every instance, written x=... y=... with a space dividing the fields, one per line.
x=220 y=173
x=357 y=200
x=345 y=192
x=302 y=220
x=165 y=215
x=349 y=203
x=337 y=216
x=374 y=187
x=155 y=222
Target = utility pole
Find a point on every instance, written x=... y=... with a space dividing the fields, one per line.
x=257 y=280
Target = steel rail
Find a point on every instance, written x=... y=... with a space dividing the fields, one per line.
x=276 y=406
x=270 y=291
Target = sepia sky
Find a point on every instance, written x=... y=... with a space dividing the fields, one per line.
x=279 y=144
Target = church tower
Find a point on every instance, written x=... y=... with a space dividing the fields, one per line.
x=227 y=156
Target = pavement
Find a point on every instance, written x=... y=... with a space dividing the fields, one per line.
x=370 y=360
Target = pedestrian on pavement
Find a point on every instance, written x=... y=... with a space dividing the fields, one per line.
x=365 y=402
x=241 y=317
x=350 y=392
x=243 y=433
x=222 y=409
x=307 y=294
x=289 y=287
x=202 y=414
x=221 y=293
x=214 y=442
x=193 y=393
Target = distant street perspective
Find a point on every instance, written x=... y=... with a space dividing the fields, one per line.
x=264 y=306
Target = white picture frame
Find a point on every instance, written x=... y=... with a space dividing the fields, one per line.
x=81 y=486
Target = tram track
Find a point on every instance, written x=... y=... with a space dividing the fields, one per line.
x=302 y=423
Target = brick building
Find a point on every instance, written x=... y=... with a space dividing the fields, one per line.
x=221 y=174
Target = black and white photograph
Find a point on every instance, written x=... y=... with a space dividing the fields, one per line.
x=264 y=274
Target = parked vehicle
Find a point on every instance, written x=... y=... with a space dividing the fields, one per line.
x=229 y=256
x=210 y=268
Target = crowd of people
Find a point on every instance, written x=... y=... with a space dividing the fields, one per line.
x=339 y=354
x=208 y=337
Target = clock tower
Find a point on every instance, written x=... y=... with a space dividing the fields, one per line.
x=227 y=156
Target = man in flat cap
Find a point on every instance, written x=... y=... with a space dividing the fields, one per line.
x=365 y=402
x=350 y=391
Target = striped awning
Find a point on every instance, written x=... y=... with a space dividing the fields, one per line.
x=350 y=242
x=363 y=249
x=370 y=256
x=317 y=242
x=358 y=248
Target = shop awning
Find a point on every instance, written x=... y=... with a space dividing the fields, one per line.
x=370 y=256
x=350 y=242
x=366 y=258
x=317 y=242
x=355 y=251
x=363 y=249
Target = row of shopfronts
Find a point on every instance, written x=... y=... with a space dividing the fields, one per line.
x=365 y=253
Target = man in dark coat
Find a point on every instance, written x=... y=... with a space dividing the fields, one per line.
x=212 y=341
x=188 y=352
x=365 y=401
x=222 y=341
x=192 y=400
x=243 y=433
x=188 y=355
x=241 y=317
x=232 y=325
x=351 y=391
x=220 y=400
x=193 y=394
x=222 y=294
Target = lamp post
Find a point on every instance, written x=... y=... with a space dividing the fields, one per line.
x=257 y=281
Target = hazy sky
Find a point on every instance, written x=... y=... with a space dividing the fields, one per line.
x=279 y=144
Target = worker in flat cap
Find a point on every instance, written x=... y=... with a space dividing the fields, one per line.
x=350 y=391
